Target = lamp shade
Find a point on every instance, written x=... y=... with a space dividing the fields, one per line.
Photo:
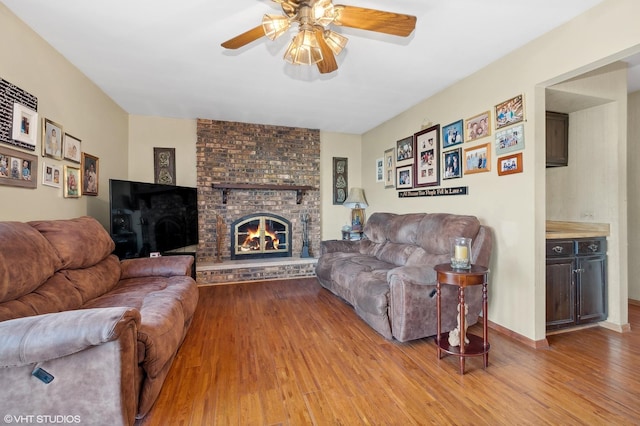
x=356 y=199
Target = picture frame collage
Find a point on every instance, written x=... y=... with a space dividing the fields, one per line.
x=64 y=164
x=457 y=149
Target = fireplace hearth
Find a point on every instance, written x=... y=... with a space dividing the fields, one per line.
x=260 y=236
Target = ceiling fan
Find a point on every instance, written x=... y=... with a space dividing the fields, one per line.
x=315 y=42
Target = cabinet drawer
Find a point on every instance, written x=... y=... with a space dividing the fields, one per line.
x=560 y=248
x=595 y=246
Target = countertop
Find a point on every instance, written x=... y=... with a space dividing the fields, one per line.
x=557 y=229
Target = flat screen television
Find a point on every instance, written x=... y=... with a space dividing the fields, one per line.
x=148 y=218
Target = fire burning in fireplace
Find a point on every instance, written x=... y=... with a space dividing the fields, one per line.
x=261 y=235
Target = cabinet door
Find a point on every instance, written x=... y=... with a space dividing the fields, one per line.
x=561 y=291
x=557 y=139
x=592 y=289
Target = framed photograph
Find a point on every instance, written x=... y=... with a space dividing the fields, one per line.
x=452 y=134
x=426 y=168
x=379 y=169
x=340 y=179
x=477 y=159
x=509 y=140
x=25 y=126
x=509 y=112
x=71 y=182
x=451 y=163
x=89 y=174
x=477 y=127
x=404 y=177
x=51 y=139
x=404 y=151
x=72 y=150
x=18 y=168
x=389 y=168
x=510 y=164
x=164 y=165
x=52 y=175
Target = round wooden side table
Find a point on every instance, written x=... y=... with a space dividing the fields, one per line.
x=463 y=278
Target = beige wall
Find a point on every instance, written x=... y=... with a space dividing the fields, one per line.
x=514 y=206
x=146 y=133
x=633 y=111
x=334 y=217
x=67 y=97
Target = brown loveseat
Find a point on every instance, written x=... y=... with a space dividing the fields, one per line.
x=389 y=279
x=106 y=330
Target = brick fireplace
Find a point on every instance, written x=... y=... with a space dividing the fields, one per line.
x=246 y=169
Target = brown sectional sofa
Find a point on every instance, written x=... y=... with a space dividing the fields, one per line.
x=107 y=330
x=388 y=277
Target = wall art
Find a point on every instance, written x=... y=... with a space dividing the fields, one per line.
x=426 y=168
x=452 y=134
x=52 y=175
x=404 y=151
x=18 y=168
x=10 y=94
x=380 y=170
x=509 y=112
x=389 y=168
x=451 y=163
x=89 y=174
x=71 y=148
x=509 y=140
x=340 y=179
x=25 y=127
x=477 y=159
x=164 y=165
x=510 y=164
x=71 y=182
x=404 y=177
x=51 y=139
x=477 y=127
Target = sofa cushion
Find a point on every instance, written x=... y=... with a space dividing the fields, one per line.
x=437 y=229
x=166 y=307
x=376 y=226
x=396 y=254
x=79 y=242
x=20 y=273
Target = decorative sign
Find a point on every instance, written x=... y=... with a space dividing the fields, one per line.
x=434 y=192
x=11 y=94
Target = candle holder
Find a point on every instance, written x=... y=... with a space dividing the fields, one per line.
x=461 y=253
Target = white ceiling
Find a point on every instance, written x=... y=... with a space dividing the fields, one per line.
x=163 y=57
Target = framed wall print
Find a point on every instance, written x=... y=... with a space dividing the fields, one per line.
x=404 y=151
x=477 y=159
x=89 y=174
x=164 y=165
x=340 y=179
x=451 y=163
x=71 y=180
x=404 y=177
x=389 y=168
x=25 y=126
x=51 y=139
x=509 y=140
x=426 y=167
x=452 y=134
x=477 y=126
x=52 y=175
x=72 y=150
x=379 y=169
x=509 y=112
x=510 y=164
x=18 y=168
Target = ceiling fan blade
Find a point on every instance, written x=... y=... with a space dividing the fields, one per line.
x=328 y=63
x=244 y=38
x=375 y=20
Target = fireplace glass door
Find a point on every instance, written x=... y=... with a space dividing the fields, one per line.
x=261 y=236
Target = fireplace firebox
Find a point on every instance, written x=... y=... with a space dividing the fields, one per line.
x=259 y=236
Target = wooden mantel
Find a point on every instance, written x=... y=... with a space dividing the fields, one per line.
x=226 y=187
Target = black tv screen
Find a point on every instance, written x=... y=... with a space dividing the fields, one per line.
x=148 y=218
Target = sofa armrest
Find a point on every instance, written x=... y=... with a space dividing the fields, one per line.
x=163 y=266
x=421 y=275
x=40 y=338
x=345 y=246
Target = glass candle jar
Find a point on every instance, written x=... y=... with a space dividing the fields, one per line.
x=461 y=253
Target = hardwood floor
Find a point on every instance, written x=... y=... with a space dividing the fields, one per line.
x=291 y=353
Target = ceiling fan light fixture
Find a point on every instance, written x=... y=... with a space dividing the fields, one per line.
x=335 y=41
x=323 y=13
x=304 y=49
x=275 y=25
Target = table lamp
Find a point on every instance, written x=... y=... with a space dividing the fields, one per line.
x=357 y=202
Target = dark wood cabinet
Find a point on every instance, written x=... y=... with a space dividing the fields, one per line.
x=576 y=282
x=557 y=139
